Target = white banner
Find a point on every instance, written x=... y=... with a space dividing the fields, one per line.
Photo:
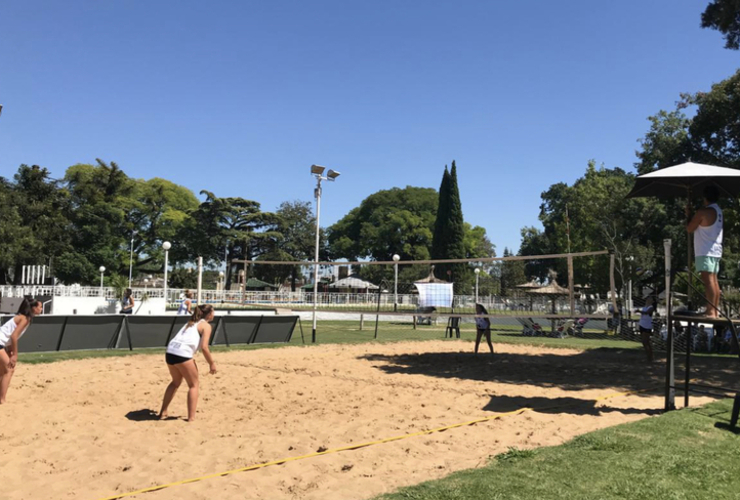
x=435 y=294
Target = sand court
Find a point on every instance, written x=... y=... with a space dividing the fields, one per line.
x=86 y=429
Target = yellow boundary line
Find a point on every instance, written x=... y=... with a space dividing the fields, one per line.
x=354 y=447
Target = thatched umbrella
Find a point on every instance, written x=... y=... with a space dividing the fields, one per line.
x=553 y=291
x=529 y=285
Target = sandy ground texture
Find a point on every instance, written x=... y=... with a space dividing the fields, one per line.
x=86 y=429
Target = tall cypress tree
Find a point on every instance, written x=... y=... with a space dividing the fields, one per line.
x=438 y=239
x=455 y=229
x=448 y=228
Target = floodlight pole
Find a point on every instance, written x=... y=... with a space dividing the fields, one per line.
x=317 y=171
x=396 y=258
x=317 y=195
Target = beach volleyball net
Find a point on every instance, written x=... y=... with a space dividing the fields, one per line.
x=579 y=296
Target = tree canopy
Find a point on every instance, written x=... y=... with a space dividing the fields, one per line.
x=724 y=16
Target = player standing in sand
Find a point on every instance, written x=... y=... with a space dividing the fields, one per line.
x=194 y=336
x=10 y=333
x=482 y=327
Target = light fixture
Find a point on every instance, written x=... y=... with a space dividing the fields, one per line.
x=332 y=174
x=317 y=169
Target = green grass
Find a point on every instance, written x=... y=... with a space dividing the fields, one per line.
x=678 y=455
x=348 y=332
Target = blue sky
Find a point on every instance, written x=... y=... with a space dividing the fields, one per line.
x=241 y=97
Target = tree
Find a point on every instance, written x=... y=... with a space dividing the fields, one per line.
x=512 y=273
x=724 y=16
x=449 y=229
x=34 y=228
x=393 y=221
x=297 y=226
x=711 y=136
x=100 y=232
x=159 y=211
x=599 y=218
x=235 y=225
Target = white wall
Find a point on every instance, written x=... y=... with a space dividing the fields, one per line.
x=97 y=305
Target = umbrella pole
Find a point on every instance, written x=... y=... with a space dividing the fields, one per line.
x=689 y=251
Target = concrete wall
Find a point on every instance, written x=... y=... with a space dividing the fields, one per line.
x=69 y=306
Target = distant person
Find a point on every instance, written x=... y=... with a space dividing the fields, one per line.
x=646 y=326
x=186 y=304
x=10 y=333
x=181 y=350
x=616 y=319
x=127 y=302
x=482 y=327
x=706 y=224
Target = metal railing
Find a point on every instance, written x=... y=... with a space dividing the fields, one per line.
x=334 y=300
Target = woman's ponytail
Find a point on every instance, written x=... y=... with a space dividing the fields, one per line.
x=200 y=312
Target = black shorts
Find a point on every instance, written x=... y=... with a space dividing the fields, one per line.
x=174 y=359
x=649 y=331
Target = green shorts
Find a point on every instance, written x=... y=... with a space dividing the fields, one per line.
x=707 y=264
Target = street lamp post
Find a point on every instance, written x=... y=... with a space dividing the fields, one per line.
x=166 y=246
x=131 y=259
x=317 y=171
x=146 y=284
x=102 y=270
x=477 y=275
x=396 y=258
x=629 y=259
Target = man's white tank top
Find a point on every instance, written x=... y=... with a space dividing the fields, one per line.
x=186 y=342
x=708 y=239
x=6 y=331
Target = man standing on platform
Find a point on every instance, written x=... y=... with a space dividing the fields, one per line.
x=706 y=224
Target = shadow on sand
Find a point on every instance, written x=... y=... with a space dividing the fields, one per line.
x=145 y=415
x=605 y=368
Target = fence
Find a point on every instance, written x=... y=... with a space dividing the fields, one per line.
x=63 y=333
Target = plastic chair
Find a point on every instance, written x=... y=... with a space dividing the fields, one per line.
x=453 y=325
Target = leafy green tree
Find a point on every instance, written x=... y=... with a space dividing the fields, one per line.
x=711 y=135
x=100 y=232
x=724 y=16
x=159 y=211
x=234 y=224
x=297 y=227
x=34 y=227
x=393 y=221
x=599 y=217
x=512 y=274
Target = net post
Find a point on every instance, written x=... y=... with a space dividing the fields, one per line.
x=670 y=383
x=612 y=285
x=571 y=286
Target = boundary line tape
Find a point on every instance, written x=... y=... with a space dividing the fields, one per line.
x=356 y=446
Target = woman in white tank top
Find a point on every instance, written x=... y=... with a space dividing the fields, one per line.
x=10 y=332
x=194 y=336
x=186 y=304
